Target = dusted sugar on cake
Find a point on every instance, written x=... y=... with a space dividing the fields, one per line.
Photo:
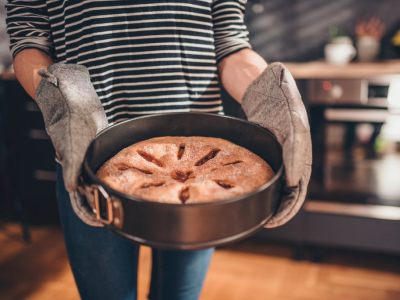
x=178 y=170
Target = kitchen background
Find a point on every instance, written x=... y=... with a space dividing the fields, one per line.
x=294 y=30
x=343 y=244
x=297 y=31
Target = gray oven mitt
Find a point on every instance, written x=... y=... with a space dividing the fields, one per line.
x=73 y=115
x=273 y=101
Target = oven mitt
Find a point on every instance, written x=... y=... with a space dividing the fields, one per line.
x=273 y=101
x=73 y=115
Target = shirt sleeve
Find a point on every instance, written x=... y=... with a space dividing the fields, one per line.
x=230 y=31
x=28 y=26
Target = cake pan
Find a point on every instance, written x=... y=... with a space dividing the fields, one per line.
x=182 y=226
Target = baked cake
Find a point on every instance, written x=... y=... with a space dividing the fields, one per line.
x=186 y=170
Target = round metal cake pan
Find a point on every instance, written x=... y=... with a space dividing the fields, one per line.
x=184 y=226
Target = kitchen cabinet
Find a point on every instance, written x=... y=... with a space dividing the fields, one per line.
x=29 y=158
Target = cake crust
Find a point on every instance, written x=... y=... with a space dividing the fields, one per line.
x=185 y=170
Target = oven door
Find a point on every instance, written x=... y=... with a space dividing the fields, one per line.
x=356 y=145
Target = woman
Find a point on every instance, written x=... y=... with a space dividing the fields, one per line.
x=143 y=57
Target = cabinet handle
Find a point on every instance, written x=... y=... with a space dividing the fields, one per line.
x=32 y=106
x=45 y=175
x=382 y=212
x=38 y=134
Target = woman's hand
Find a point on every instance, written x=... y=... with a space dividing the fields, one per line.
x=73 y=115
x=273 y=101
x=270 y=98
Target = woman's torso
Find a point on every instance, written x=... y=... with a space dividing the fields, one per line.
x=143 y=56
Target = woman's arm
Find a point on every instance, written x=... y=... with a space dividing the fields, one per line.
x=31 y=41
x=238 y=70
x=27 y=63
x=238 y=65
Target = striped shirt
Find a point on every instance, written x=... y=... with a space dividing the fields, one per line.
x=144 y=57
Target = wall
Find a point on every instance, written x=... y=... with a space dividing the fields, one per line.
x=297 y=30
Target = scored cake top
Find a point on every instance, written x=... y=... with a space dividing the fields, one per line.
x=185 y=170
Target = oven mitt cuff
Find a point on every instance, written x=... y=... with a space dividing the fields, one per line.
x=273 y=101
x=73 y=115
x=82 y=210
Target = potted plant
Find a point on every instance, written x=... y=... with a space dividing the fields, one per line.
x=369 y=34
x=340 y=49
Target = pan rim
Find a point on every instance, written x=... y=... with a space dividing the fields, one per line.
x=94 y=179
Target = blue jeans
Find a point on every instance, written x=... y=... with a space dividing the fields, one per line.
x=105 y=266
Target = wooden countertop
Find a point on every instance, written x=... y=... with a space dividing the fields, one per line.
x=321 y=69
